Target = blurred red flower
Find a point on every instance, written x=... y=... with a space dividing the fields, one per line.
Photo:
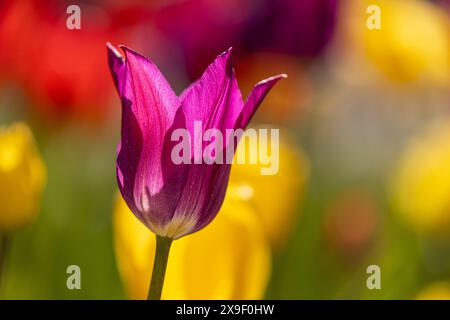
x=63 y=71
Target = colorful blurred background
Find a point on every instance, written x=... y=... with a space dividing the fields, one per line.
x=364 y=174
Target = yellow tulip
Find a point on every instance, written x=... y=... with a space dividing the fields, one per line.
x=277 y=196
x=412 y=43
x=22 y=177
x=435 y=291
x=421 y=184
x=229 y=259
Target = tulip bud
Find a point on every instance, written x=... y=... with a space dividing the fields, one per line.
x=173 y=198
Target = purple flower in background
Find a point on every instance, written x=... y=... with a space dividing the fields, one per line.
x=298 y=27
x=444 y=3
x=201 y=28
x=172 y=199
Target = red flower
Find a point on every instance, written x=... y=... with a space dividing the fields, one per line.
x=63 y=71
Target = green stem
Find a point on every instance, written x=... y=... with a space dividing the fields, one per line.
x=159 y=267
x=4 y=245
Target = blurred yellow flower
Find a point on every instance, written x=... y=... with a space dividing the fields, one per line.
x=421 y=184
x=230 y=259
x=22 y=177
x=277 y=197
x=412 y=43
x=435 y=291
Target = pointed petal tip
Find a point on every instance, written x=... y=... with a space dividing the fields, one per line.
x=113 y=50
x=272 y=79
x=133 y=54
x=128 y=50
x=227 y=57
x=226 y=52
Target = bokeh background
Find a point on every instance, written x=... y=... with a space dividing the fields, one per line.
x=364 y=161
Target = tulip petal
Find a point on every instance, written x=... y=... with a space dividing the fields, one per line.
x=149 y=181
x=116 y=64
x=215 y=98
x=206 y=184
x=255 y=98
x=202 y=197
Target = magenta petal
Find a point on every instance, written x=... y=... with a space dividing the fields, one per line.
x=255 y=98
x=116 y=64
x=214 y=99
x=203 y=195
x=149 y=181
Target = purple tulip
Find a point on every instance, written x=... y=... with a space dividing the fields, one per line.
x=171 y=199
x=298 y=27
